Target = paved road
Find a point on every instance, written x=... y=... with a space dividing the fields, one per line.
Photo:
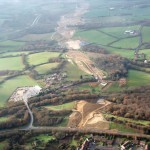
x=30 y=125
x=35 y=20
x=81 y=130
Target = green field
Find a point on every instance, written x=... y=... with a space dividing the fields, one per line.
x=146 y=34
x=10 y=45
x=3 y=144
x=35 y=37
x=13 y=63
x=7 y=88
x=135 y=79
x=14 y=53
x=127 y=53
x=94 y=36
x=43 y=137
x=138 y=78
x=73 y=72
x=66 y=106
x=3 y=119
x=86 y=86
x=43 y=57
x=43 y=69
x=119 y=31
x=121 y=127
x=127 y=43
x=142 y=122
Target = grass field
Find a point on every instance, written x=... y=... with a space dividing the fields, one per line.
x=73 y=72
x=43 y=57
x=3 y=144
x=7 y=88
x=3 y=119
x=88 y=87
x=66 y=106
x=121 y=127
x=43 y=69
x=127 y=43
x=127 y=53
x=145 y=34
x=94 y=36
x=10 y=45
x=35 y=37
x=43 y=137
x=64 y=123
x=142 y=122
x=14 y=53
x=135 y=79
x=138 y=78
x=13 y=63
x=119 y=31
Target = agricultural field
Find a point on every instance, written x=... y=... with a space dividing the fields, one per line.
x=66 y=106
x=128 y=43
x=3 y=119
x=121 y=128
x=7 y=88
x=13 y=63
x=145 y=34
x=138 y=78
x=142 y=122
x=135 y=79
x=3 y=144
x=119 y=31
x=43 y=69
x=14 y=53
x=90 y=87
x=10 y=46
x=94 y=36
x=73 y=72
x=43 y=137
x=39 y=58
x=36 y=37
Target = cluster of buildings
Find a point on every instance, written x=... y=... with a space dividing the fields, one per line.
x=54 y=78
x=131 y=32
x=22 y=92
x=140 y=145
x=113 y=144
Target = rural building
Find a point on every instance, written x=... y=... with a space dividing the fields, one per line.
x=131 y=32
x=126 y=145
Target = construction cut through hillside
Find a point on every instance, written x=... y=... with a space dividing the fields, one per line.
x=88 y=115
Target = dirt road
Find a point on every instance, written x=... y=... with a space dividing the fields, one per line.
x=85 y=64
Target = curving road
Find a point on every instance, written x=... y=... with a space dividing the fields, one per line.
x=30 y=125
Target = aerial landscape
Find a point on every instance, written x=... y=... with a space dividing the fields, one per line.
x=74 y=75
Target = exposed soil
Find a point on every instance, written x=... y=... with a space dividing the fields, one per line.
x=89 y=115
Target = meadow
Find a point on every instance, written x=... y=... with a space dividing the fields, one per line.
x=12 y=63
x=43 y=69
x=135 y=79
x=73 y=72
x=35 y=37
x=13 y=53
x=94 y=36
x=129 y=43
x=8 y=87
x=10 y=45
x=119 y=31
x=65 y=106
x=39 y=58
x=145 y=34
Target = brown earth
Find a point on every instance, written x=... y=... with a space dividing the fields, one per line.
x=88 y=115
